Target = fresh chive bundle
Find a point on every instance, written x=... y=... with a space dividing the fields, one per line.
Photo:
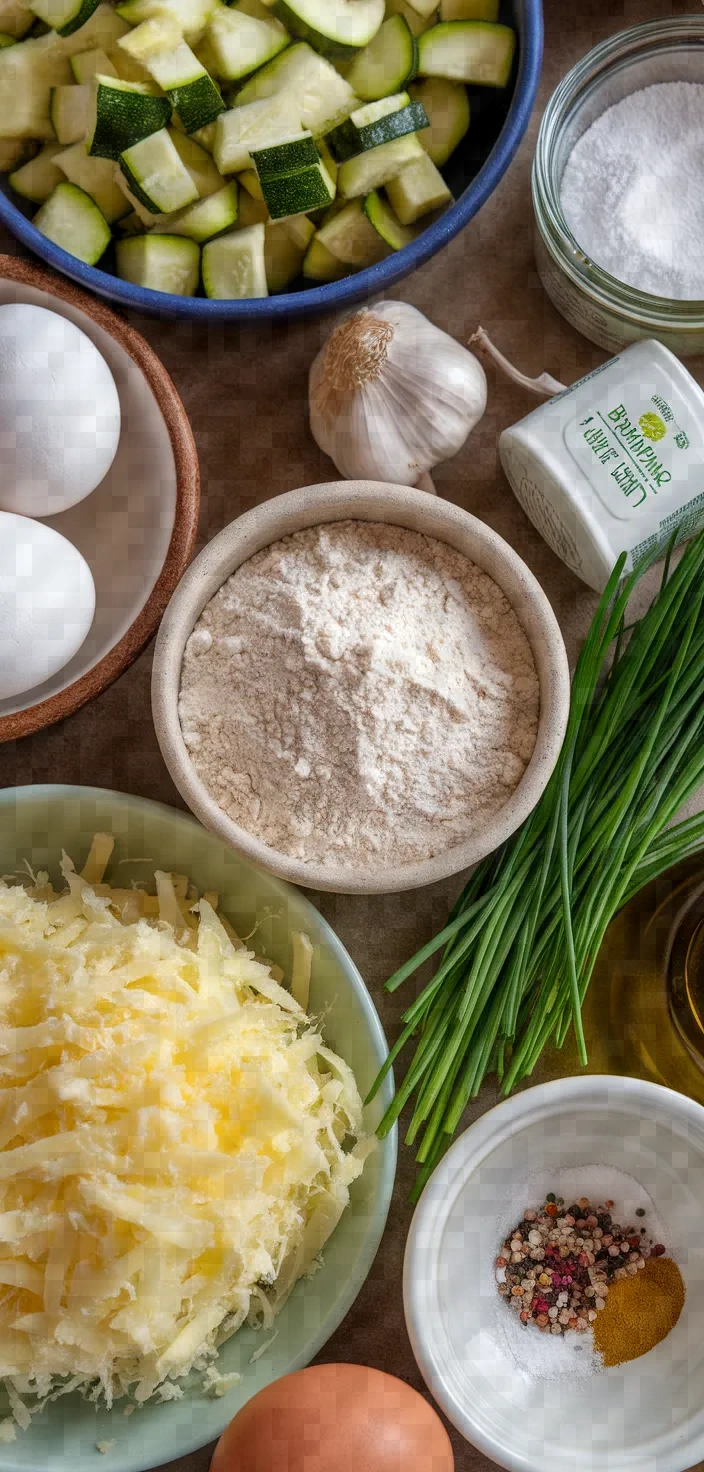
x=522 y=941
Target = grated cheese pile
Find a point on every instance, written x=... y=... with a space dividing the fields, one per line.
x=176 y=1142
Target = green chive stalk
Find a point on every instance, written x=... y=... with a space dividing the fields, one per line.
x=521 y=944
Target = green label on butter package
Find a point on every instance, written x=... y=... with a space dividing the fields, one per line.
x=641 y=453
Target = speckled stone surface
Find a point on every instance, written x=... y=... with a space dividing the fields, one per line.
x=245 y=393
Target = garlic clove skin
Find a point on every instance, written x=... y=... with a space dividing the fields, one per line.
x=391 y=395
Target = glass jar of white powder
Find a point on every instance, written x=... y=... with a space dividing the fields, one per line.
x=605 y=309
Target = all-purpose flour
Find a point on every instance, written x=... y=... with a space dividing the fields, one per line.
x=359 y=691
x=632 y=191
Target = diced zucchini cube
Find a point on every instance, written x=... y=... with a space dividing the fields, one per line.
x=168 y=263
x=156 y=175
x=73 y=221
x=240 y=44
x=233 y=266
x=417 y=190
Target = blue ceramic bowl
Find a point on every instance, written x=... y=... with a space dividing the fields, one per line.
x=499 y=121
x=35 y=823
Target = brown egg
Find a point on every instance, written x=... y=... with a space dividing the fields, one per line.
x=335 y=1418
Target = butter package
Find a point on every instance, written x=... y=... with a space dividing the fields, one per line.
x=613 y=464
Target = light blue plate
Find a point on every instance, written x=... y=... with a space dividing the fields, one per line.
x=35 y=824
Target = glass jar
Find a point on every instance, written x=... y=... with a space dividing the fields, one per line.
x=606 y=310
x=644 y=1010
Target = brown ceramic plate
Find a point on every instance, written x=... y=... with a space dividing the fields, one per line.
x=137 y=530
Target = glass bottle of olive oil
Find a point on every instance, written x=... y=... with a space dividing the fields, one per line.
x=644 y=1010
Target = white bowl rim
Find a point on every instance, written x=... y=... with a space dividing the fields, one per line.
x=492 y=1129
x=339 y=501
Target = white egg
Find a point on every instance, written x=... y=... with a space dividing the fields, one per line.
x=59 y=412
x=47 y=603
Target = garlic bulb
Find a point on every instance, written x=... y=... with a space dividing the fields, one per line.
x=391 y=395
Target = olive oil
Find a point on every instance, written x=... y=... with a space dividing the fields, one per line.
x=644 y=1010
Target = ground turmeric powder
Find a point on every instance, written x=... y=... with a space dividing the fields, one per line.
x=639 y=1311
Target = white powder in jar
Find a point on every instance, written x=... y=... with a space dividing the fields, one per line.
x=359 y=692
x=632 y=191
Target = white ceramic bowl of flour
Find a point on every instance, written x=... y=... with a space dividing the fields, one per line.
x=395 y=507
x=622 y=1138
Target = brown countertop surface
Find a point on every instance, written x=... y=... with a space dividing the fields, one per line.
x=245 y=393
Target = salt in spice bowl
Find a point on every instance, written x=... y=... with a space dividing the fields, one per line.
x=646 y=1415
x=369 y=501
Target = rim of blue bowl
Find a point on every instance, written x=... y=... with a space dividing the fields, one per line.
x=337 y=294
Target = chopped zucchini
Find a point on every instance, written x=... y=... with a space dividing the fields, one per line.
x=124 y=113
x=233 y=266
x=351 y=237
x=205 y=176
x=380 y=214
x=190 y=16
x=368 y=171
x=242 y=130
x=469 y=10
x=27 y=75
x=293 y=177
x=15 y=18
x=335 y=27
x=388 y=63
x=207 y=217
x=90 y=64
x=374 y=124
x=104 y=28
x=299 y=229
x=160 y=263
x=252 y=211
x=282 y=257
x=317 y=95
x=157 y=175
x=296 y=194
x=417 y=190
x=38 y=179
x=64 y=16
x=239 y=44
x=285 y=158
x=319 y=264
x=127 y=67
x=447 y=107
x=416 y=23
x=193 y=93
x=148 y=218
x=328 y=160
x=157 y=36
x=69 y=111
x=96 y=177
x=471 y=51
x=72 y=220
x=249 y=179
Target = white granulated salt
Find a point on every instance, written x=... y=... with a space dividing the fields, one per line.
x=361 y=692
x=632 y=192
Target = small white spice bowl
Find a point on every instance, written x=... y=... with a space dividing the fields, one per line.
x=397 y=506
x=585 y=1135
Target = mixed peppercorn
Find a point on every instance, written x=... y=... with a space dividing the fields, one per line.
x=556 y=1266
